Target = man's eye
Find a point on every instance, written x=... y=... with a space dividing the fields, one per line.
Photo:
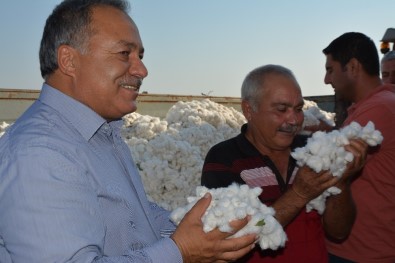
x=385 y=74
x=125 y=53
x=281 y=109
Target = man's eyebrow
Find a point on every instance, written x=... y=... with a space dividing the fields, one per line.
x=130 y=45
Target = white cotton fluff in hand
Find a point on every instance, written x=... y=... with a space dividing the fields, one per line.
x=325 y=151
x=236 y=202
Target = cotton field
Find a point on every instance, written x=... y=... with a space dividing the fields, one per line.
x=170 y=152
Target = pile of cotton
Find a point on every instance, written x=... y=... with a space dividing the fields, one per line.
x=170 y=153
x=325 y=151
x=236 y=202
x=313 y=115
x=3 y=127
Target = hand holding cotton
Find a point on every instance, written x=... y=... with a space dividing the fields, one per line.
x=232 y=203
x=325 y=151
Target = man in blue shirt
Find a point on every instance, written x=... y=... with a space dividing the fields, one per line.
x=69 y=189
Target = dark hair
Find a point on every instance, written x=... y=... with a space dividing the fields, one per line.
x=253 y=83
x=69 y=24
x=355 y=45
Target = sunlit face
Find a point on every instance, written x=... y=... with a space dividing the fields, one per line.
x=279 y=115
x=339 y=78
x=109 y=74
x=388 y=71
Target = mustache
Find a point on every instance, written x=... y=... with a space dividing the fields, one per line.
x=132 y=81
x=291 y=128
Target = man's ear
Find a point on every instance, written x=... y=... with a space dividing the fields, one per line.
x=66 y=57
x=246 y=108
x=354 y=66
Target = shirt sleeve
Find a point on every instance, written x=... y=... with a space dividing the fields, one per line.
x=49 y=212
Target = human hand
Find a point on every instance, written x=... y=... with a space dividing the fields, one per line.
x=322 y=126
x=359 y=149
x=215 y=246
x=308 y=184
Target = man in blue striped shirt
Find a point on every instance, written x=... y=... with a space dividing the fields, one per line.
x=69 y=189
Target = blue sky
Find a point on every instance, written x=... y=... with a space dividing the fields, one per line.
x=208 y=46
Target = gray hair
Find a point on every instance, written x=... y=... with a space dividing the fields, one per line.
x=69 y=24
x=253 y=84
x=388 y=56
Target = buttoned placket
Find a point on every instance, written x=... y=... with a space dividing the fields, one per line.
x=108 y=132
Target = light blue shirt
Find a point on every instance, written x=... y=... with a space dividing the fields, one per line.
x=70 y=191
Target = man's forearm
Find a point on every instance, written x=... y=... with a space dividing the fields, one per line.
x=340 y=213
x=288 y=206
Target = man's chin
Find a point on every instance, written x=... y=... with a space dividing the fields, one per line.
x=131 y=109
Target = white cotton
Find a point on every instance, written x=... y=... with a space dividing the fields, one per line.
x=315 y=163
x=236 y=202
x=170 y=152
x=313 y=115
x=325 y=151
x=3 y=126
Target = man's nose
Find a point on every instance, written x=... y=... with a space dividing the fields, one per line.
x=327 y=79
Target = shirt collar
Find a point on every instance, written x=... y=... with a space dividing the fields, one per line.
x=81 y=117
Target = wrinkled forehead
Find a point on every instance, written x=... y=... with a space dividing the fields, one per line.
x=282 y=89
x=388 y=64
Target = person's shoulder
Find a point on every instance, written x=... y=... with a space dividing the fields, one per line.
x=378 y=103
x=384 y=95
x=38 y=126
x=225 y=145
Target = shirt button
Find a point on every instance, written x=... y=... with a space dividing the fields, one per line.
x=132 y=224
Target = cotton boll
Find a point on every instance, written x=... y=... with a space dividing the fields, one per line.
x=231 y=203
x=317 y=136
x=318 y=203
x=315 y=163
x=369 y=128
x=349 y=157
x=333 y=190
x=272 y=235
x=240 y=213
x=300 y=155
x=314 y=147
x=178 y=214
x=341 y=140
x=225 y=228
x=376 y=137
x=333 y=156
